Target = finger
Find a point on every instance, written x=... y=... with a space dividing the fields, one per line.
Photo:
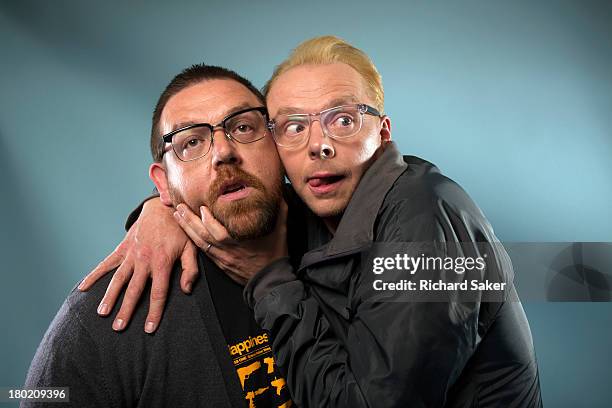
x=189 y=263
x=132 y=295
x=221 y=258
x=214 y=227
x=193 y=227
x=227 y=264
x=159 y=292
x=228 y=270
x=119 y=279
x=108 y=264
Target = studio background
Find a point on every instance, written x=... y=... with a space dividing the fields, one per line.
x=513 y=100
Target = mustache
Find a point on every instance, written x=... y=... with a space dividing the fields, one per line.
x=231 y=173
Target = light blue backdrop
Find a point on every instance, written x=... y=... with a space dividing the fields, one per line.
x=511 y=99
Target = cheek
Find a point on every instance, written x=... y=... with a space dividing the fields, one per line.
x=368 y=147
x=176 y=178
x=188 y=182
x=271 y=174
x=271 y=156
x=292 y=164
x=359 y=155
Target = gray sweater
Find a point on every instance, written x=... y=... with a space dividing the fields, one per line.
x=184 y=364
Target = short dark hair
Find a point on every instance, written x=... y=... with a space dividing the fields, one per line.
x=190 y=76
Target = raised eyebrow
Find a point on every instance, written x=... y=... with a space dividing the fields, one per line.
x=227 y=113
x=237 y=108
x=182 y=125
x=345 y=100
x=288 y=110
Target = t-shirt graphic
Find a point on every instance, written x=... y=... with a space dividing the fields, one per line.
x=258 y=374
x=248 y=344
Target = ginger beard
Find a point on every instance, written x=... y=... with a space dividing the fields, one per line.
x=248 y=218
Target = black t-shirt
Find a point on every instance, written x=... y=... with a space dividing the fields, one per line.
x=250 y=346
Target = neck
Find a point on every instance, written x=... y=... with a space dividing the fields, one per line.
x=332 y=223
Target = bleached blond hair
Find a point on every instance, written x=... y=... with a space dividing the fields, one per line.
x=328 y=50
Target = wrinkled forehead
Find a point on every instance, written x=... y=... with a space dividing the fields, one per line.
x=312 y=88
x=206 y=102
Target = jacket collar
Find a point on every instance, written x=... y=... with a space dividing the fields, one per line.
x=356 y=228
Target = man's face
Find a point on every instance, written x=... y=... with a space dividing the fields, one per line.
x=326 y=185
x=239 y=183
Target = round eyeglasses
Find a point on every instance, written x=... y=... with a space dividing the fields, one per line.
x=339 y=122
x=194 y=141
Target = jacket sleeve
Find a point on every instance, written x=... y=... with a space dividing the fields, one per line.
x=133 y=216
x=393 y=352
x=69 y=357
x=309 y=354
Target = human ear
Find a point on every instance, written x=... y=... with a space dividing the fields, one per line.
x=157 y=173
x=385 y=129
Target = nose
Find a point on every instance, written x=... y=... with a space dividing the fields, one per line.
x=224 y=149
x=318 y=144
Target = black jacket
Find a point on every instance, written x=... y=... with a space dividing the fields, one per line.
x=340 y=344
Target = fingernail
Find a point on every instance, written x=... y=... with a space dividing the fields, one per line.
x=202 y=213
x=118 y=324
x=188 y=287
x=181 y=210
x=176 y=215
x=103 y=309
x=150 y=327
x=80 y=287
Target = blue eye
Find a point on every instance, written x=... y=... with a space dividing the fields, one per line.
x=342 y=121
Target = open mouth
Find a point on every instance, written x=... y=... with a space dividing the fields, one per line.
x=234 y=190
x=324 y=183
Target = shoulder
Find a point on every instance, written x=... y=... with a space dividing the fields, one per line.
x=421 y=187
x=423 y=204
x=84 y=305
x=70 y=354
x=78 y=329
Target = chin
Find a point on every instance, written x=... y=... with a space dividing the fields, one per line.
x=251 y=225
x=249 y=219
x=325 y=209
